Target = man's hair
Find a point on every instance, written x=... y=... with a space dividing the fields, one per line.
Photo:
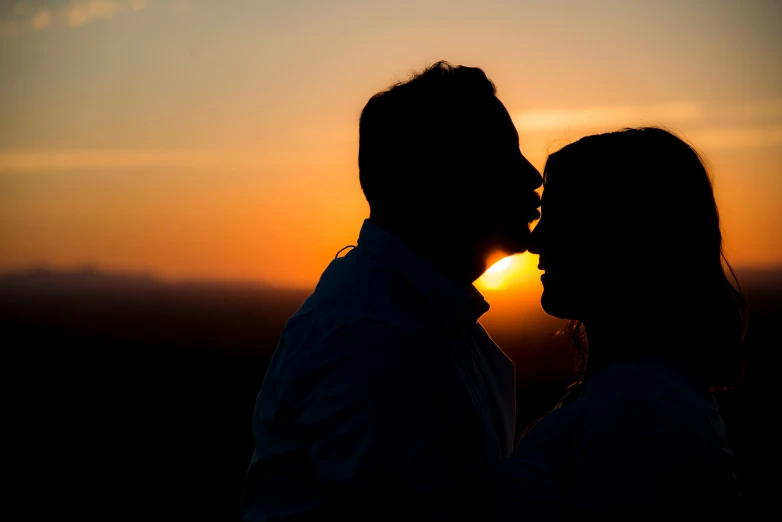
x=415 y=133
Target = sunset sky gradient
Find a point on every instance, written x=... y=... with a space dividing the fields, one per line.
x=218 y=140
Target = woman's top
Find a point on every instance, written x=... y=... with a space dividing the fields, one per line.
x=640 y=439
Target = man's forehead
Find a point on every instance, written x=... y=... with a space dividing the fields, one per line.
x=504 y=115
x=499 y=126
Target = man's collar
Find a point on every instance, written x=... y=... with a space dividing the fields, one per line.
x=455 y=304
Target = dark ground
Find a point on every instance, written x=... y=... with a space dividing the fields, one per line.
x=131 y=398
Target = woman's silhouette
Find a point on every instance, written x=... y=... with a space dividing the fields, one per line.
x=630 y=244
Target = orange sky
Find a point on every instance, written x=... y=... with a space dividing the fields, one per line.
x=219 y=139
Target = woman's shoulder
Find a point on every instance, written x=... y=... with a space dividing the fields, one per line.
x=642 y=378
x=626 y=396
x=651 y=396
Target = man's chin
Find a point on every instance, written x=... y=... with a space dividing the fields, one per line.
x=515 y=243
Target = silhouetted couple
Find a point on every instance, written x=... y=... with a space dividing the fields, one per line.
x=387 y=400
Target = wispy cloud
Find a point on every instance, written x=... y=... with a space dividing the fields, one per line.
x=746 y=125
x=743 y=125
x=759 y=110
x=83 y=11
x=605 y=116
x=737 y=138
x=86 y=159
x=110 y=160
x=35 y=14
x=41 y=18
x=616 y=116
x=731 y=138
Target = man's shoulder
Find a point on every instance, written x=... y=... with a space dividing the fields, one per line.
x=331 y=332
x=361 y=312
x=361 y=290
x=334 y=351
x=348 y=323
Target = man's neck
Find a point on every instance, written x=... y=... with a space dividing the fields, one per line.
x=461 y=263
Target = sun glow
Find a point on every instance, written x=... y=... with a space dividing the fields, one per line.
x=500 y=265
x=509 y=271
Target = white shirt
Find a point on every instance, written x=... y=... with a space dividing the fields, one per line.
x=385 y=397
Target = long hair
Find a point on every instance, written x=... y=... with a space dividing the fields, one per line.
x=659 y=185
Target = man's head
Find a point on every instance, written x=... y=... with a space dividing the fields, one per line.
x=439 y=157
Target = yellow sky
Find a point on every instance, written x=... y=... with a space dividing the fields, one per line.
x=219 y=139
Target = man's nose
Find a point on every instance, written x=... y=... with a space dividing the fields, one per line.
x=536 y=179
x=531 y=176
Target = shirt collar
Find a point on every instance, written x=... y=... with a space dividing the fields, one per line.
x=453 y=303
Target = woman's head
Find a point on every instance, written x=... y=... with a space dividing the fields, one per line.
x=630 y=234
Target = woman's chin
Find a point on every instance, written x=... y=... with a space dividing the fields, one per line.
x=556 y=306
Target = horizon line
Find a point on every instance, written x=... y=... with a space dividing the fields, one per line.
x=157 y=277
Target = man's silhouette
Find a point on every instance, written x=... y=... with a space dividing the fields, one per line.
x=385 y=397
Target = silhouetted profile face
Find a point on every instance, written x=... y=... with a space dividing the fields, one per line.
x=599 y=228
x=628 y=220
x=440 y=154
x=563 y=239
x=495 y=198
x=526 y=179
x=630 y=244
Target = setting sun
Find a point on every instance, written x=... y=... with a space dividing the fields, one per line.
x=500 y=265
x=508 y=272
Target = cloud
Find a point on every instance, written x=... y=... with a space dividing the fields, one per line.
x=737 y=138
x=763 y=110
x=26 y=15
x=108 y=159
x=767 y=110
x=741 y=126
x=737 y=126
x=605 y=116
x=730 y=138
x=41 y=18
x=83 y=11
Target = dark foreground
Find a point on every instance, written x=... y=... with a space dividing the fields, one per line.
x=132 y=399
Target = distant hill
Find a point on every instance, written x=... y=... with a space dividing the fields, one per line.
x=107 y=311
x=106 y=308
x=90 y=280
x=110 y=311
x=769 y=278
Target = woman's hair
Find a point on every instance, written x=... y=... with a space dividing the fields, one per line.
x=651 y=182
